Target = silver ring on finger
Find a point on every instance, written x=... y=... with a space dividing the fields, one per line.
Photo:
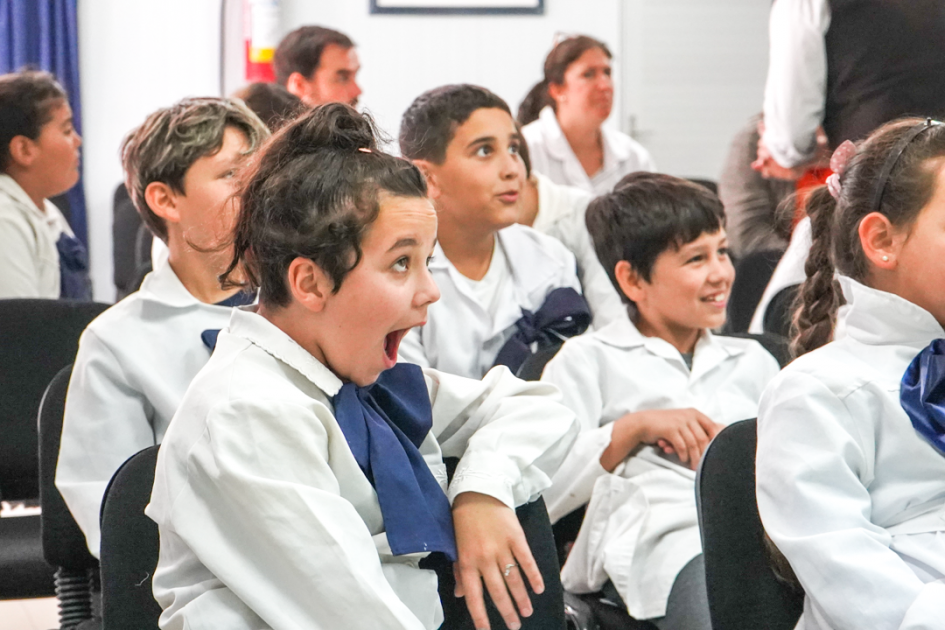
x=508 y=569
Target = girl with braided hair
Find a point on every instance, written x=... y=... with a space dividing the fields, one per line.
x=851 y=438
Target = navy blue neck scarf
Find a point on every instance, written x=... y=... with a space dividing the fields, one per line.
x=209 y=336
x=384 y=424
x=74 y=281
x=922 y=393
x=563 y=314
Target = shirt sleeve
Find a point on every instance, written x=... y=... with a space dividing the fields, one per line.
x=796 y=88
x=19 y=275
x=268 y=519
x=579 y=382
x=510 y=434
x=106 y=421
x=815 y=507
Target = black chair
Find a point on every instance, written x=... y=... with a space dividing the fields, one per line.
x=780 y=311
x=744 y=593
x=778 y=346
x=64 y=544
x=37 y=339
x=131 y=243
x=752 y=274
x=130 y=546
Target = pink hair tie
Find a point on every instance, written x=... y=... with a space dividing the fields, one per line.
x=838 y=164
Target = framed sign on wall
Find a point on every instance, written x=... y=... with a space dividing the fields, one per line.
x=459 y=7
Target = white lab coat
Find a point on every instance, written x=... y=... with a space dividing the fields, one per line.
x=561 y=212
x=789 y=272
x=552 y=156
x=460 y=336
x=641 y=528
x=848 y=490
x=134 y=364
x=267 y=521
x=29 y=258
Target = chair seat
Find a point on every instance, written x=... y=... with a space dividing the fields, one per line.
x=23 y=573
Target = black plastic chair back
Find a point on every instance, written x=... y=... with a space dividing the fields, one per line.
x=37 y=339
x=744 y=593
x=130 y=546
x=780 y=312
x=778 y=346
x=752 y=274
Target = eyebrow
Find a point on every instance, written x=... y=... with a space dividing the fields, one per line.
x=404 y=242
x=484 y=139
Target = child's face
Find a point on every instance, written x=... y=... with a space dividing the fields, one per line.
x=588 y=90
x=385 y=296
x=58 y=152
x=689 y=287
x=206 y=211
x=479 y=182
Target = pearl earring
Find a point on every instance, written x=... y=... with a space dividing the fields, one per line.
x=885 y=258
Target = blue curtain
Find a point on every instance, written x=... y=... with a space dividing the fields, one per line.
x=44 y=34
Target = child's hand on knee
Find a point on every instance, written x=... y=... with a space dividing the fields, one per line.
x=492 y=548
x=685 y=432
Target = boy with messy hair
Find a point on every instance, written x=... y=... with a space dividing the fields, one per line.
x=651 y=390
x=136 y=359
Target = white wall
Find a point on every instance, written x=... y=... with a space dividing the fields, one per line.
x=134 y=57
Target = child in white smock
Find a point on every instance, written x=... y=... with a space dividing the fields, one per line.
x=301 y=482
x=851 y=443
x=650 y=391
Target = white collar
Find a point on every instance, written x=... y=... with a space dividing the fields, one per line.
x=49 y=214
x=162 y=285
x=247 y=324
x=559 y=147
x=879 y=318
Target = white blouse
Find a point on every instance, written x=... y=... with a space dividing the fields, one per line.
x=641 y=527
x=848 y=490
x=552 y=156
x=267 y=521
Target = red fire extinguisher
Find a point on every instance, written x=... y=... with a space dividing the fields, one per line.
x=261 y=33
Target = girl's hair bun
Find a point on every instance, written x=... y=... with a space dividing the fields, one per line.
x=335 y=127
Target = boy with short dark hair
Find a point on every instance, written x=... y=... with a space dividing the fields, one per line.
x=493 y=273
x=137 y=358
x=651 y=390
x=39 y=158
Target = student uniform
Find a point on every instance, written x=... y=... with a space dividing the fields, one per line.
x=29 y=258
x=641 y=528
x=266 y=519
x=561 y=212
x=134 y=364
x=848 y=490
x=472 y=320
x=551 y=154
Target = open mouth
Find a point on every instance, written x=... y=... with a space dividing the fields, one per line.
x=716 y=299
x=392 y=343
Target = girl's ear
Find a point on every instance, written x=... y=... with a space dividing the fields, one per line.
x=555 y=91
x=631 y=284
x=162 y=201
x=22 y=151
x=429 y=171
x=880 y=240
x=309 y=285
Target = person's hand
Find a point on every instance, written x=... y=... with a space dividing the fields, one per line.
x=770 y=169
x=490 y=543
x=685 y=432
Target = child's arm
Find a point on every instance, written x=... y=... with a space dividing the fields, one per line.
x=686 y=432
x=814 y=453
x=19 y=277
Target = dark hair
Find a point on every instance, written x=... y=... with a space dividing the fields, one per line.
x=301 y=51
x=313 y=192
x=429 y=124
x=523 y=152
x=565 y=52
x=274 y=104
x=835 y=223
x=27 y=100
x=646 y=214
x=171 y=139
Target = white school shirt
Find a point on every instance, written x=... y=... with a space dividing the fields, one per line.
x=848 y=490
x=29 y=258
x=134 y=364
x=561 y=212
x=461 y=336
x=551 y=154
x=789 y=272
x=267 y=521
x=641 y=527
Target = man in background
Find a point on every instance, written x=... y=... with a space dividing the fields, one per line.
x=319 y=65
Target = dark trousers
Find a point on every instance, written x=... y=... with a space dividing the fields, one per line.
x=548 y=607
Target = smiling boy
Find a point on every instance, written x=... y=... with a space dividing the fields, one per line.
x=651 y=390
x=136 y=359
x=489 y=269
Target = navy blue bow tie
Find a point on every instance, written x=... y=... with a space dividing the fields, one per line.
x=922 y=393
x=384 y=425
x=209 y=336
x=563 y=314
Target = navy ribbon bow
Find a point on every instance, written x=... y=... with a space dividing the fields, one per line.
x=209 y=336
x=384 y=425
x=74 y=281
x=563 y=314
x=922 y=393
